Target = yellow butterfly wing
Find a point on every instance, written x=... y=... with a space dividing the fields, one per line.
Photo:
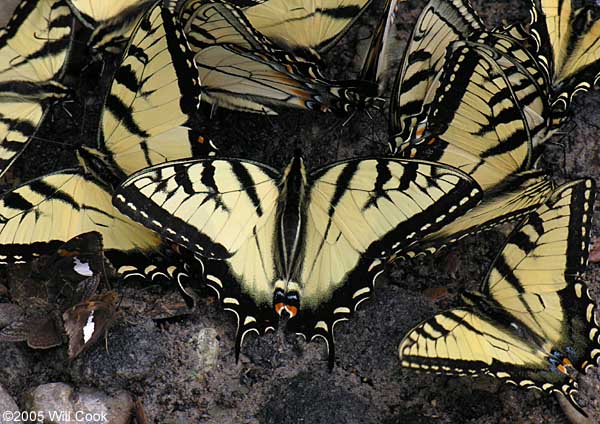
x=39 y=216
x=152 y=99
x=439 y=24
x=242 y=70
x=33 y=53
x=305 y=25
x=224 y=211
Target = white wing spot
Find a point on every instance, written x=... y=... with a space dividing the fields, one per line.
x=88 y=329
x=82 y=268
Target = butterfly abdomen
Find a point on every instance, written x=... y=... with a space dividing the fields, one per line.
x=291 y=212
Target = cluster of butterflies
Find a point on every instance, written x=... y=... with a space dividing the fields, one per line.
x=470 y=111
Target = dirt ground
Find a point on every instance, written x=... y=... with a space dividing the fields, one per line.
x=184 y=370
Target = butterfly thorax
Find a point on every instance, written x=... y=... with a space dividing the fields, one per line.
x=290 y=234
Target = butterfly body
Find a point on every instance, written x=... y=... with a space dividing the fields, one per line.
x=291 y=216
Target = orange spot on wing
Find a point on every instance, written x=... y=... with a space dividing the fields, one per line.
x=200 y=139
x=293 y=311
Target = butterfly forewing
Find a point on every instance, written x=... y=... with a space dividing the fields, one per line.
x=567 y=44
x=298 y=24
x=90 y=12
x=29 y=225
x=154 y=92
x=523 y=194
x=88 y=321
x=475 y=121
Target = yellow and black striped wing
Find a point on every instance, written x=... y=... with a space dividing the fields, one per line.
x=523 y=194
x=298 y=25
x=152 y=99
x=224 y=211
x=113 y=24
x=482 y=120
x=360 y=214
x=90 y=12
x=439 y=24
x=184 y=9
x=535 y=278
x=568 y=44
x=39 y=216
x=242 y=70
x=527 y=79
x=537 y=313
x=475 y=122
x=33 y=53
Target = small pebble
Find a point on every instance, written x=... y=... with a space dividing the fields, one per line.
x=8 y=313
x=206 y=346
